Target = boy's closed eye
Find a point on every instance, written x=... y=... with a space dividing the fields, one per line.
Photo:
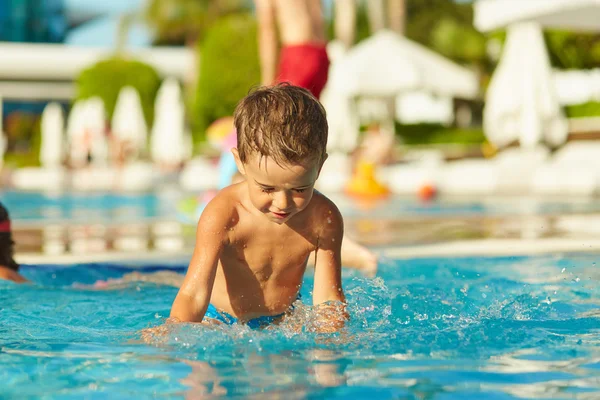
x=267 y=189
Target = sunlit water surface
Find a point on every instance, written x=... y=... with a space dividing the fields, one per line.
x=468 y=328
x=120 y=207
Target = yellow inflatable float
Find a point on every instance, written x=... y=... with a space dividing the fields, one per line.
x=364 y=184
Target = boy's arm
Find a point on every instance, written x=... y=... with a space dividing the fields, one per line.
x=267 y=40
x=328 y=274
x=194 y=295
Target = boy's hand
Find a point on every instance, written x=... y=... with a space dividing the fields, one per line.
x=159 y=333
x=329 y=317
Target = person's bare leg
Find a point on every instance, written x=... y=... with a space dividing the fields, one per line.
x=355 y=256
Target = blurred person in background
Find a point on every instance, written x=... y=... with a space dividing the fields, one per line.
x=9 y=269
x=292 y=43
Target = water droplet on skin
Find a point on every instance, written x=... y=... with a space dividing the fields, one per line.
x=328 y=220
x=333 y=240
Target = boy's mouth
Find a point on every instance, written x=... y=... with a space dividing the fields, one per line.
x=280 y=215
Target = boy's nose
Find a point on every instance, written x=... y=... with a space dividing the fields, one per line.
x=282 y=200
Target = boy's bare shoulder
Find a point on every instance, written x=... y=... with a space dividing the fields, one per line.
x=323 y=211
x=320 y=202
x=223 y=210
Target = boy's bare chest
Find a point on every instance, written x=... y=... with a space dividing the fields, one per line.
x=266 y=249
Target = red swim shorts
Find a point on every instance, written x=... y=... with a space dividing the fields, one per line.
x=305 y=65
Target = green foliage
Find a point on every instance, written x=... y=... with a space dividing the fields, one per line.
x=459 y=42
x=106 y=78
x=423 y=16
x=24 y=139
x=589 y=109
x=178 y=22
x=229 y=67
x=573 y=50
x=437 y=134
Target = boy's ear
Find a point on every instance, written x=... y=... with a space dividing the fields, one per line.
x=238 y=162
x=322 y=162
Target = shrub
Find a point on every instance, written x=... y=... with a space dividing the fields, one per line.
x=229 y=67
x=106 y=78
x=24 y=139
x=589 y=109
x=438 y=134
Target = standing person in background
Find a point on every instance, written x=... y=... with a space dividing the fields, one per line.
x=297 y=55
x=9 y=269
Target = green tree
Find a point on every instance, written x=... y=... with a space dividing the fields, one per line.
x=423 y=16
x=106 y=79
x=458 y=42
x=570 y=50
x=229 y=68
x=179 y=22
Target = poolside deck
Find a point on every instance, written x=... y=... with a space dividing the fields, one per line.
x=169 y=241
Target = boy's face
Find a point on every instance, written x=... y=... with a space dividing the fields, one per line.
x=279 y=192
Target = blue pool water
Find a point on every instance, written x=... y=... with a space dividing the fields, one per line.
x=439 y=328
x=116 y=207
x=88 y=207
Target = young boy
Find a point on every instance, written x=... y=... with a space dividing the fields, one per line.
x=9 y=269
x=254 y=237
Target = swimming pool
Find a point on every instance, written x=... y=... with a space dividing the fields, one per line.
x=36 y=207
x=433 y=328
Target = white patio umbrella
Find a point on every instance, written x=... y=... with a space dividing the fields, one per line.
x=387 y=64
x=169 y=141
x=86 y=126
x=382 y=67
x=521 y=102
x=76 y=132
x=95 y=123
x=52 y=127
x=529 y=17
x=128 y=123
x=583 y=15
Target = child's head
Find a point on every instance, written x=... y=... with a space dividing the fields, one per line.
x=282 y=140
x=283 y=122
x=6 y=242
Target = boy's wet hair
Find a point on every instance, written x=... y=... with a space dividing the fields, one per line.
x=283 y=122
x=6 y=242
